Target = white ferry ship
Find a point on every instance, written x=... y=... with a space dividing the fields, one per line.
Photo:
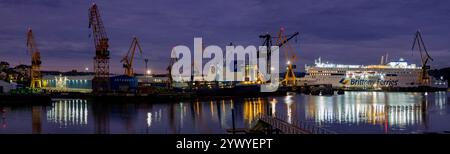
x=386 y=75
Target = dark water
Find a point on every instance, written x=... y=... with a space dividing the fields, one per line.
x=354 y=112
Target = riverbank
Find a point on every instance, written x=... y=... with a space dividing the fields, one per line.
x=177 y=96
x=129 y=97
x=34 y=99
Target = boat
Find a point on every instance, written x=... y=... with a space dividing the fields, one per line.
x=390 y=76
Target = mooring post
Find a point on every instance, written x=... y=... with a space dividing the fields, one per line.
x=232 y=118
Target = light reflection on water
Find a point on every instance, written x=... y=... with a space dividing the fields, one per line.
x=68 y=112
x=354 y=112
x=391 y=110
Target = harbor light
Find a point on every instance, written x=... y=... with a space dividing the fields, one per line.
x=149 y=119
x=149 y=72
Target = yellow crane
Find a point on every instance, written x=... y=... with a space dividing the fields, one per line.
x=290 y=56
x=424 y=78
x=282 y=41
x=36 y=77
x=127 y=60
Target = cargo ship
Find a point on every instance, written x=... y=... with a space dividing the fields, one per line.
x=394 y=75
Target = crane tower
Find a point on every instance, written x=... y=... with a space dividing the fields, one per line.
x=100 y=83
x=290 y=56
x=36 y=77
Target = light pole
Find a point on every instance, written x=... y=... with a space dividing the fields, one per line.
x=146 y=66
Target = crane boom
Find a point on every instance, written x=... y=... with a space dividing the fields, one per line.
x=36 y=78
x=98 y=30
x=289 y=38
x=100 y=82
x=421 y=46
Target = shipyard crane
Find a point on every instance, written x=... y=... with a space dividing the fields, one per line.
x=290 y=56
x=282 y=40
x=268 y=43
x=424 y=78
x=127 y=60
x=36 y=78
x=100 y=82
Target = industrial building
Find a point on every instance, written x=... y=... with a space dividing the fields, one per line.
x=83 y=83
x=124 y=83
x=73 y=83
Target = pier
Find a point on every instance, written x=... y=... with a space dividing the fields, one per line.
x=295 y=127
x=275 y=124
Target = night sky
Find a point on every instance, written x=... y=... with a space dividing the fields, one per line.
x=349 y=32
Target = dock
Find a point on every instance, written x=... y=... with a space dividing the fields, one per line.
x=274 y=124
x=294 y=127
x=283 y=126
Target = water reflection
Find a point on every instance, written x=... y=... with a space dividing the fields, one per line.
x=101 y=112
x=3 y=115
x=208 y=117
x=393 y=111
x=36 y=125
x=273 y=109
x=66 y=112
x=354 y=112
x=154 y=117
x=440 y=99
x=289 y=107
x=252 y=109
